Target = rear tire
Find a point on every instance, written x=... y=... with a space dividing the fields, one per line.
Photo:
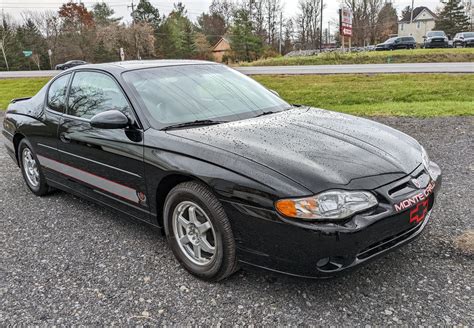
x=31 y=169
x=199 y=232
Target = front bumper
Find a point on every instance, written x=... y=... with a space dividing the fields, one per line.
x=322 y=250
x=437 y=44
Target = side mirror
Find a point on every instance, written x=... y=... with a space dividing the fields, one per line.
x=424 y=36
x=275 y=93
x=111 y=119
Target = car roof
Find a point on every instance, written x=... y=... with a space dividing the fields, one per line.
x=122 y=66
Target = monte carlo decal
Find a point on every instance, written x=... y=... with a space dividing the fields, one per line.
x=231 y=173
x=413 y=200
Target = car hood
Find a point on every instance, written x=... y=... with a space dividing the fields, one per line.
x=313 y=147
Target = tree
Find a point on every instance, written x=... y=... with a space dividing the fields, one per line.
x=452 y=18
x=7 y=42
x=225 y=8
x=246 y=45
x=272 y=10
x=202 y=46
x=288 y=36
x=213 y=26
x=147 y=13
x=29 y=38
x=307 y=22
x=102 y=13
x=77 y=30
x=76 y=15
x=387 y=22
x=177 y=35
x=406 y=11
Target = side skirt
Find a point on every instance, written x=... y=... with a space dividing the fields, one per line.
x=65 y=188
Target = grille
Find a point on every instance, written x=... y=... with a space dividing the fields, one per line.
x=391 y=241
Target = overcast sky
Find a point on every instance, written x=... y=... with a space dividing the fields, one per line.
x=195 y=7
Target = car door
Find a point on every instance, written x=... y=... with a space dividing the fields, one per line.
x=396 y=44
x=46 y=138
x=103 y=164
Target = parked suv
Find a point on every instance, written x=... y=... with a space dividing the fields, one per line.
x=406 y=42
x=436 y=39
x=463 y=40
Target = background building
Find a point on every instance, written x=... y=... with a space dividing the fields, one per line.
x=423 y=21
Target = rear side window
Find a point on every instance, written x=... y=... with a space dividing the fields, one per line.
x=57 y=93
x=92 y=93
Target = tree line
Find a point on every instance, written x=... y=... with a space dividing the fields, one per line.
x=254 y=28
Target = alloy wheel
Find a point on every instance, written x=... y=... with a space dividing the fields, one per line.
x=194 y=233
x=30 y=167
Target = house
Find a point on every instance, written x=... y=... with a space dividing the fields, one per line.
x=221 y=49
x=423 y=21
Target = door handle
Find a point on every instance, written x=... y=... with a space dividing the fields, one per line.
x=64 y=137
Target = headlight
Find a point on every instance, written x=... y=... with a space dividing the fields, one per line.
x=425 y=159
x=329 y=205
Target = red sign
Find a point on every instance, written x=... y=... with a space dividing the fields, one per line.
x=345 y=21
x=346 y=31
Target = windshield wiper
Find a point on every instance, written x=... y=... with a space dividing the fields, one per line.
x=265 y=114
x=193 y=123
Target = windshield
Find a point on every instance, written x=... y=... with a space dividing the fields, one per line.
x=391 y=40
x=438 y=33
x=180 y=94
x=468 y=35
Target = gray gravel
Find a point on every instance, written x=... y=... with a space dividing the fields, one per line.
x=67 y=261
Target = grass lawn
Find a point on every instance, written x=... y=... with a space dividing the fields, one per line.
x=374 y=57
x=422 y=95
x=17 y=88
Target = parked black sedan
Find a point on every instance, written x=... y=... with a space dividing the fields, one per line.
x=436 y=39
x=397 y=43
x=230 y=171
x=463 y=40
x=69 y=64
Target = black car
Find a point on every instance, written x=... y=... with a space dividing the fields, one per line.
x=406 y=42
x=436 y=39
x=232 y=173
x=70 y=64
x=464 y=40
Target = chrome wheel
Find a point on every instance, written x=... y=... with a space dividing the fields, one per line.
x=30 y=167
x=194 y=233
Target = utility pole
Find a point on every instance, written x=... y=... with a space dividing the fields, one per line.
x=281 y=30
x=329 y=33
x=321 y=29
x=132 y=6
x=412 y=8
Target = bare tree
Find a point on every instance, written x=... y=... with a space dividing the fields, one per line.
x=272 y=10
x=308 y=23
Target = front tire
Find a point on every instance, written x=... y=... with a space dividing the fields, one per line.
x=31 y=169
x=199 y=232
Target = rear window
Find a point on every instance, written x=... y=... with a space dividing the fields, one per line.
x=436 y=33
x=57 y=93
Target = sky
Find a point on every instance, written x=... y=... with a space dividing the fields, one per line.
x=194 y=7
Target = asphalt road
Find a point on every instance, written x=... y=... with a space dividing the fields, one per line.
x=65 y=261
x=314 y=69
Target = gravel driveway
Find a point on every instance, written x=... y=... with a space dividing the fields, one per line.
x=67 y=261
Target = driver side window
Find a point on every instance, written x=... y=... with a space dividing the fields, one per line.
x=92 y=93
